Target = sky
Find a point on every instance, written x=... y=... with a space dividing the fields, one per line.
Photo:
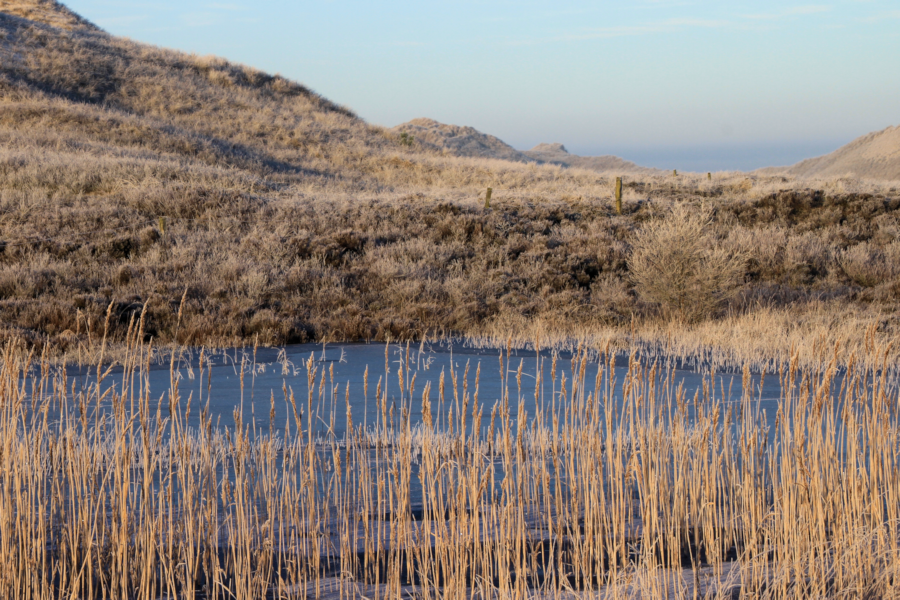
x=693 y=85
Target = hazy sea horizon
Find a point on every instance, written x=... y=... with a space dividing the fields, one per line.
x=717 y=157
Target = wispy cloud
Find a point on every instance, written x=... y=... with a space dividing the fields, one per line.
x=200 y=19
x=688 y=22
x=657 y=4
x=665 y=26
x=787 y=13
x=225 y=6
x=123 y=21
x=890 y=15
x=743 y=21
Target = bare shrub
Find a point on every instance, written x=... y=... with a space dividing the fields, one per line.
x=149 y=236
x=678 y=263
x=255 y=283
x=763 y=247
x=610 y=298
x=869 y=265
x=124 y=275
x=806 y=258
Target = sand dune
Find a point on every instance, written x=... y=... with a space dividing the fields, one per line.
x=131 y=173
x=872 y=156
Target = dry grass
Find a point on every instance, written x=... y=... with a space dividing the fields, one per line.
x=637 y=491
x=290 y=265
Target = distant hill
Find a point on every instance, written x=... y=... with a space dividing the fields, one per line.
x=468 y=141
x=872 y=156
x=458 y=140
x=557 y=154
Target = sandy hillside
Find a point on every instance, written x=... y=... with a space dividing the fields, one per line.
x=872 y=156
x=231 y=206
x=557 y=154
x=69 y=90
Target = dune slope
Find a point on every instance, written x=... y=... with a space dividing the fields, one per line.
x=872 y=156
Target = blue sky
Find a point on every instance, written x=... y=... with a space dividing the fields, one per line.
x=677 y=84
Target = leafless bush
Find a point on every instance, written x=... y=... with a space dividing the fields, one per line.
x=869 y=265
x=678 y=263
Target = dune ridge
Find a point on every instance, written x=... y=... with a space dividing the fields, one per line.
x=875 y=155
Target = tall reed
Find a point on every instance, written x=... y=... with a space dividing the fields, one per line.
x=616 y=486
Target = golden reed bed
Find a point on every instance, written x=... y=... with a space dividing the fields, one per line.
x=639 y=490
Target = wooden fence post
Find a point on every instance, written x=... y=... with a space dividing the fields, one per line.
x=618 y=195
x=487 y=198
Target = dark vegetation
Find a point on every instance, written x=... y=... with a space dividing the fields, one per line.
x=297 y=270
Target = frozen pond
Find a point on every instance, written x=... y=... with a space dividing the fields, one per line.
x=260 y=384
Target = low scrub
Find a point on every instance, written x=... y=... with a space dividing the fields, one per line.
x=678 y=263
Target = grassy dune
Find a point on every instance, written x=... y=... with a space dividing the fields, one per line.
x=48 y=12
